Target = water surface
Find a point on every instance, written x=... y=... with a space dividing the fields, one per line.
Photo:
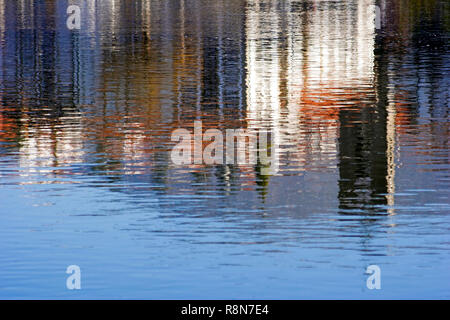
x=359 y=111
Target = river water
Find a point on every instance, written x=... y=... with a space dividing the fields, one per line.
x=355 y=94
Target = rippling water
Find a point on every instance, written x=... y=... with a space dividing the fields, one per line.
x=358 y=107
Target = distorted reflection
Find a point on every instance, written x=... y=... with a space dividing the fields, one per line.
x=115 y=90
x=359 y=112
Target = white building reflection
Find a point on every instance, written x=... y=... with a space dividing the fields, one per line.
x=302 y=65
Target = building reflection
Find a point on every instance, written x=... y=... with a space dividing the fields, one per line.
x=311 y=78
x=309 y=72
x=301 y=72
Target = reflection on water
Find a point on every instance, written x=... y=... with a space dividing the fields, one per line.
x=360 y=114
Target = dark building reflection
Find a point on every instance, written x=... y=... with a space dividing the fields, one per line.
x=363 y=145
x=363 y=154
x=404 y=91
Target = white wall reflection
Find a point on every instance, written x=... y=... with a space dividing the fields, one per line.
x=303 y=63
